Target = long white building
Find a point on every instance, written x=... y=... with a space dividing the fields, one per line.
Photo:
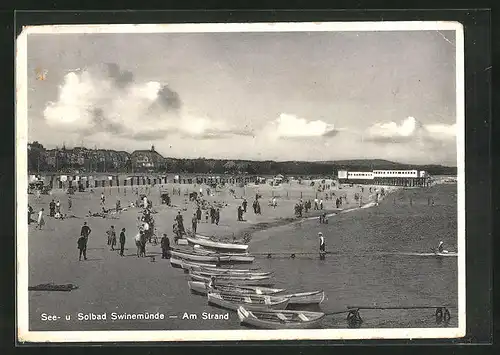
x=408 y=178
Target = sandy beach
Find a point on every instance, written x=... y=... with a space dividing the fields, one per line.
x=107 y=282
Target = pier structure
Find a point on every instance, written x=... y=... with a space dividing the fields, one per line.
x=405 y=178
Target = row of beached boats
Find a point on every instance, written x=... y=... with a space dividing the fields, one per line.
x=247 y=291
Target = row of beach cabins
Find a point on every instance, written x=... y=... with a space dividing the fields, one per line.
x=247 y=291
x=68 y=181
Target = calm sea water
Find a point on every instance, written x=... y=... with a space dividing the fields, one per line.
x=360 y=271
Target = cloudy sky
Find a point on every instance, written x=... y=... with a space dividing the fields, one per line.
x=280 y=96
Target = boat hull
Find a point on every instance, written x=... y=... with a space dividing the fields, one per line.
x=207 y=243
x=213 y=299
x=191 y=265
x=261 y=281
x=306 y=298
x=270 y=320
x=232 y=274
x=202 y=289
x=199 y=257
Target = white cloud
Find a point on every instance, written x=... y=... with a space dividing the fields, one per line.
x=107 y=99
x=291 y=126
x=408 y=130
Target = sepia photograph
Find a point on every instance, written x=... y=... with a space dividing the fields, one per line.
x=258 y=181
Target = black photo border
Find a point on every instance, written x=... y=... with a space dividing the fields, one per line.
x=478 y=95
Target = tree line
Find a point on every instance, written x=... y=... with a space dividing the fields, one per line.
x=38 y=162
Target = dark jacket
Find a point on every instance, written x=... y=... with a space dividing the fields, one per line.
x=165 y=243
x=122 y=238
x=85 y=232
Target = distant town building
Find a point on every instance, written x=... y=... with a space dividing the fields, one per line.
x=147 y=160
x=408 y=178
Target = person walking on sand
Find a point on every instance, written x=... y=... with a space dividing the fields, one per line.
x=70 y=203
x=194 y=223
x=103 y=199
x=217 y=216
x=240 y=214
x=52 y=208
x=165 y=247
x=85 y=232
x=321 y=204
x=244 y=204
x=112 y=233
x=315 y=203
x=322 y=245
x=58 y=207
x=41 y=220
x=122 y=241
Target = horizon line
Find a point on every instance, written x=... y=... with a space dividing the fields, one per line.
x=259 y=160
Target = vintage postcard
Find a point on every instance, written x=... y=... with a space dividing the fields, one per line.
x=263 y=181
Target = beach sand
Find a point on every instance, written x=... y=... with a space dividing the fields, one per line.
x=107 y=282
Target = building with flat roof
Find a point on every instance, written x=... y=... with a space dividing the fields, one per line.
x=407 y=178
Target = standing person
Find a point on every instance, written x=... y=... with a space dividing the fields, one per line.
x=175 y=229
x=194 y=223
x=103 y=199
x=52 y=208
x=118 y=206
x=41 y=220
x=148 y=232
x=70 y=203
x=113 y=237
x=138 y=243
x=198 y=214
x=315 y=203
x=145 y=202
x=82 y=247
x=274 y=202
x=165 y=247
x=85 y=232
x=322 y=245
x=244 y=204
x=180 y=223
x=58 y=207
x=217 y=216
x=254 y=205
x=440 y=247
x=321 y=204
x=240 y=214
x=212 y=214
x=122 y=241
x=108 y=234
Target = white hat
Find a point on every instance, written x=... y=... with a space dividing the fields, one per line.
x=320 y=233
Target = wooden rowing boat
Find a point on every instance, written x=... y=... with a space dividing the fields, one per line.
x=202 y=288
x=194 y=256
x=192 y=265
x=230 y=273
x=252 y=302
x=278 y=319
x=208 y=243
x=238 y=280
x=313 y=297
x=200 y=267
x=179 y=263
x=202 y=255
